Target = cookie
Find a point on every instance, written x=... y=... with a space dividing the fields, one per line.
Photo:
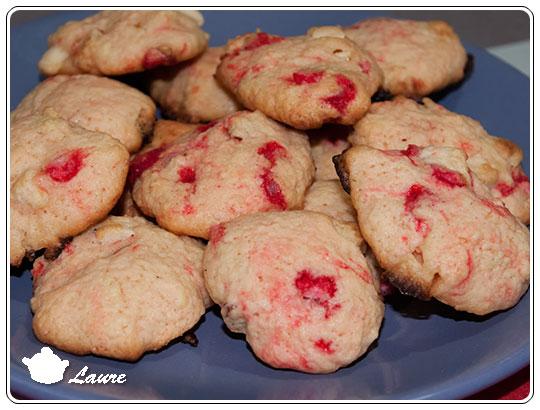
x=244 y=163
x=328 y=197
x=63 y=179
x=416 y=57
x=435 y=228
x=297 y=285
x=94 y=103
x=126 y=206
x=303 y=81
x=122 y=42
x=166 y=131
x=122 y=288
x=326 y=143
x=496 y=161
x=189 y=91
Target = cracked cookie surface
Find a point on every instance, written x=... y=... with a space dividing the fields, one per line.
x=496 y=161
x=436 y=229
x=120 y=289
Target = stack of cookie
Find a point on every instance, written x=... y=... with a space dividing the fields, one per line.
x=235 y=198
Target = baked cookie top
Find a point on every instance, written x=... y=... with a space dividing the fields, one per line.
x=120 y=289
x=435 y=228
x=297 y=285
x=398 y=123
x=328 y=197
x=416 y=57
x=63 y=179
x=326 y=143
x=122 y=42
x=165 y=132
x=94 y=103
x=241 y=164
x=190 y=92
x=303 y=81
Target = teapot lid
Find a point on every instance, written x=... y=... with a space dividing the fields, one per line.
x=46 y=355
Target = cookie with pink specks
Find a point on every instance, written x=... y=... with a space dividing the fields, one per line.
x=326 y=143
x=303 y=81
x=122 y=288
x=435 y=228
x=416 y=57
x=397 y=124
x=244 y=163
x=122 y=42
x=94 y=103
x=165 y=132
x=190 y=92
x=312 y=306
x=328 y=197
x=63 y=179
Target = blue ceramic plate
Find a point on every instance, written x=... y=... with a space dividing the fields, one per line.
x=425 y=350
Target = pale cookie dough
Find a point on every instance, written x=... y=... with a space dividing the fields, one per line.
x=126 y=206
x=297 y=285
x=190 y=92
x=326 y=143
x=122 y=288
x=397 y=124
x=416 y=57
x=328 y=197
x=435 y=228
x=63 y=179
x=165 y=132
x=122 y=42
x=244 y=163
x=94 y=103
x=303 y=81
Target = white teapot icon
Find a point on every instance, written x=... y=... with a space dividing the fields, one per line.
x=46 y=367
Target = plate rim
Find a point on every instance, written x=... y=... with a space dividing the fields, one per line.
x=18 y=384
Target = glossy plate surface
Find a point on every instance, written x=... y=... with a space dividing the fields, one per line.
x=425 y=350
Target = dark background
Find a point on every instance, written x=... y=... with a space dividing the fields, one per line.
x=482 y=28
